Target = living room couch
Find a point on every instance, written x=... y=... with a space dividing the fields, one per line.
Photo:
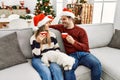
x=99 y=35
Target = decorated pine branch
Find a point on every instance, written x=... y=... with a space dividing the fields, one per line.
x=44 y=6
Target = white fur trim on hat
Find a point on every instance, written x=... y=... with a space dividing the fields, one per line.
x=43 y=22
x=35 y=28
x=66 y=13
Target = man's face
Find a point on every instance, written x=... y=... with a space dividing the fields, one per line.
x=65 y=21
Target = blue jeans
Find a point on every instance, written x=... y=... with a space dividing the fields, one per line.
x=54 y=72
x=85 y=59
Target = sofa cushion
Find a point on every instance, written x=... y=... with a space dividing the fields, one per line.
x=59 y=39
x=23 y=38
x=115 y=42
x=109 y=58
x=23 y=71
x=10 y=52
x=83 y=73
x=99 y=35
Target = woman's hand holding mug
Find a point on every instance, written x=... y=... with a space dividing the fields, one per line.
x=41 y=36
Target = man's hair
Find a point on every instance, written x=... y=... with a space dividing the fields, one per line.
x=71 y=18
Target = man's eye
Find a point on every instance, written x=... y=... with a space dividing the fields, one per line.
x=63 y=19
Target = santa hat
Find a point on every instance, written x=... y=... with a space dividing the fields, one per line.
x=41 y=20
x=67 y=12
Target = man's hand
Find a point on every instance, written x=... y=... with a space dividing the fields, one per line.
x=70 y=39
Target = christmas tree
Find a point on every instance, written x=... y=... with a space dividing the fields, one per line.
x=43 y=6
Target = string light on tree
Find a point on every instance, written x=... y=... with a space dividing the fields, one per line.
x=44 y=6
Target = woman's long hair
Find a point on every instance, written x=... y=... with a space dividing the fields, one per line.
x=47 y=40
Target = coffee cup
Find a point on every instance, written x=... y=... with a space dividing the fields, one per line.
x=43 y=33
x=64 y=35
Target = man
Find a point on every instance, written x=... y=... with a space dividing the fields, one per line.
x=76 y=45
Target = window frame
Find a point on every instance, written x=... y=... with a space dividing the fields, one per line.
x=103 y=3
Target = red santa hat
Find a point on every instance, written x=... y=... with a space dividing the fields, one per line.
x=41 y=20
x=67 y=12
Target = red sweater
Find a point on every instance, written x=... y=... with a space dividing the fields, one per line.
x=80 y=36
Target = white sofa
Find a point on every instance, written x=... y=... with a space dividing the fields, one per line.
x=99 y=36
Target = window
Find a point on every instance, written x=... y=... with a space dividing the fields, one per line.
x=104 y=11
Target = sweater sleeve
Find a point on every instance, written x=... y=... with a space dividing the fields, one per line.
x=82 y=43
x=57 y=27
x=35 y=46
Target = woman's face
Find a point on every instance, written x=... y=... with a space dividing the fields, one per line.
x=47 y=25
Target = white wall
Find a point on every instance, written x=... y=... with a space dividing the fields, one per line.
x=28 y=3
x=58 y=4
x=10 y=2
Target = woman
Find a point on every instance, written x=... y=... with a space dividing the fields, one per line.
x=41 y=42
